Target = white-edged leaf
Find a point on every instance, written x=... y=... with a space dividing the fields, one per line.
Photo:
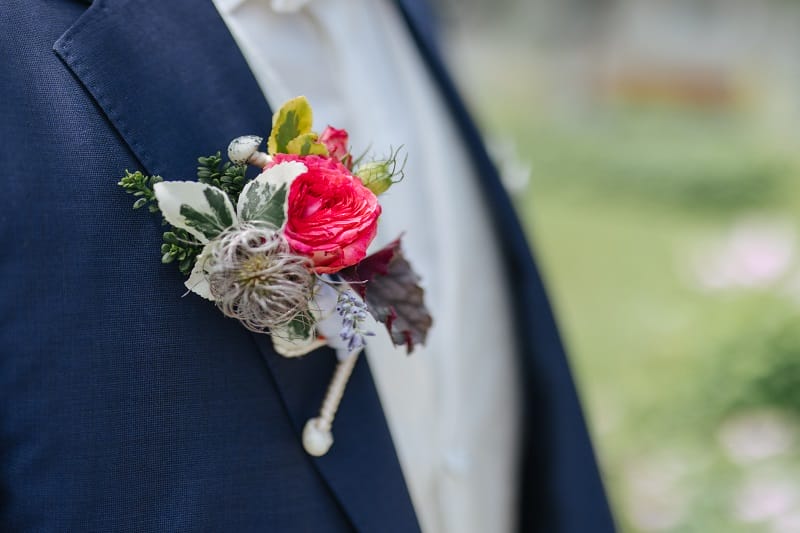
x=296 y=338
x=202 y=210
x=198 y=279
x=265 y=199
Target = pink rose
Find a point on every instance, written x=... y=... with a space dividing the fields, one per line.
x=332 y=217
x=335 y=141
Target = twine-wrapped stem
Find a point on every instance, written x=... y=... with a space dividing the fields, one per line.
x=317 y=435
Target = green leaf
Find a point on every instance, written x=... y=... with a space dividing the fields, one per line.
x=205 y=223
x=301 y=326
x=202 y=210
x=306 y=144
x=265 y=203
x=210 y=224
x=292 y=120
x=181 y=246
x=216 y=200
x=227 y=177
x=186 y=264
x=140 y=186
x=297 y=337
x=265 y=198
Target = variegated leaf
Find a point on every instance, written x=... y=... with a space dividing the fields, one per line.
x=293 y=119
x=202 y=210
x=265 y=198
x=297 y=338
x=198 y=279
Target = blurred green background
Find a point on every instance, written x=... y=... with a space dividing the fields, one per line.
x=652 y=149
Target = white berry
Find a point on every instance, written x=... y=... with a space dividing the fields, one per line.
x=244 y=150
x=316 y=440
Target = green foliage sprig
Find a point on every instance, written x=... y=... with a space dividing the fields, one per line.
x=141 y=186
x=225 y=176
x=179 y=245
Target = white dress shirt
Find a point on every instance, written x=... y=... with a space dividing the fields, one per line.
x=452 y=407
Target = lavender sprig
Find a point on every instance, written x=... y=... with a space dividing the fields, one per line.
x=354 y=313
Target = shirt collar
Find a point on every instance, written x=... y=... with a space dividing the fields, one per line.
x=278 y=6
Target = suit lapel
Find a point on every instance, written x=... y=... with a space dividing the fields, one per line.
x=558 y=471
x=168 y=76
x=171 y=80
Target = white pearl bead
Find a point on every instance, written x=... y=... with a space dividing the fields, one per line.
x=241 y=148
x=316 y=440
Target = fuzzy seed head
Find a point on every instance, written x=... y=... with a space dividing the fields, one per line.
x=255 y=278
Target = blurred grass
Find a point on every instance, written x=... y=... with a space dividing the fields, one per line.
x=619 y=198
x=708 y=160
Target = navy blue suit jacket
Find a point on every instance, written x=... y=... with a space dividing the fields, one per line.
x=124 y=407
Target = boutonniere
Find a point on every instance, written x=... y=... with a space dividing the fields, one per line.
x=285 y=253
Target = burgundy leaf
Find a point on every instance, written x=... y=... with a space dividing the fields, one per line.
x=391 y=290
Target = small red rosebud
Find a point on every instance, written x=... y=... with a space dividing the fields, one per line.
x=335 y=140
